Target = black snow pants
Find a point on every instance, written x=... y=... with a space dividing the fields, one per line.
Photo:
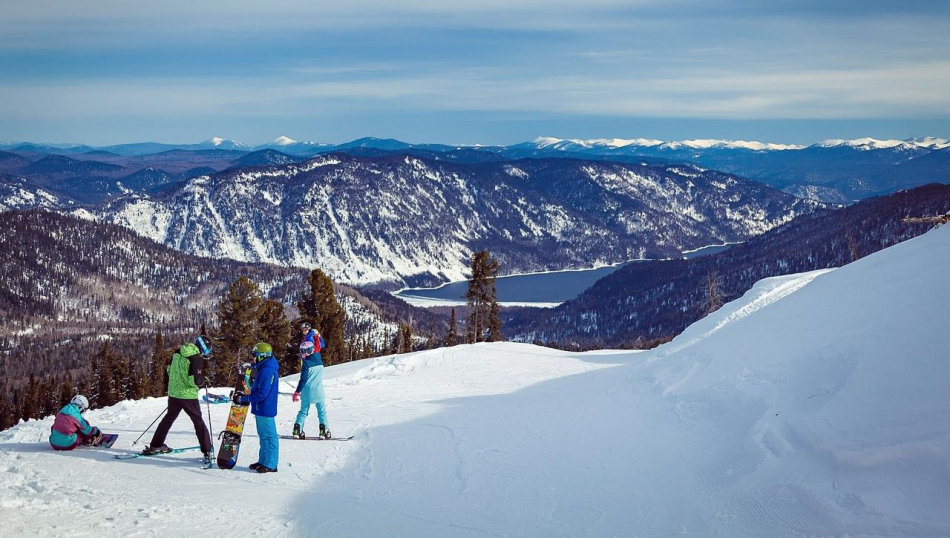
x=193 y=409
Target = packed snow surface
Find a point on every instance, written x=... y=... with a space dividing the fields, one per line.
x=814 y=405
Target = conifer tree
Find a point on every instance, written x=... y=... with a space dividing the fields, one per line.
x=49 y=396
x=274 y=329
x=66 y=391
x=319 y=307
x=481 y=296
x=102 y=382
x=452 y=337
x=494 y=322
x=16 y=405
x=237 y=327
x=156 y=367
x=6 y=412
x=121 y=378
x=31 y=406
x=403 y=341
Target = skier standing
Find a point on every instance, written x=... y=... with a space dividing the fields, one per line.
x=310 y=387
x=185 y=375
x=263 y=400
x=70 y=429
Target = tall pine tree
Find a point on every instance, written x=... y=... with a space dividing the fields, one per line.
x=238 y=315
x=319 y=307
x=274 y=329
x=453 y=335
x=156 y=372
x=482 y=297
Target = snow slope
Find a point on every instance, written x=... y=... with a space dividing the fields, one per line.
x=815 y=404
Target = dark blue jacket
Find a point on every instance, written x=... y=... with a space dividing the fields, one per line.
x=263 y=396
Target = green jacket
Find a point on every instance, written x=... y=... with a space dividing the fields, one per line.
x=182 y=372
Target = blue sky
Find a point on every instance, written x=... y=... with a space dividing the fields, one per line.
x=491 y=72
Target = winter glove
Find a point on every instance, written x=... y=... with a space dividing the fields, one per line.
x=296 y=397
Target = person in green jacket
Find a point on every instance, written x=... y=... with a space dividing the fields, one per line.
x=185 y=375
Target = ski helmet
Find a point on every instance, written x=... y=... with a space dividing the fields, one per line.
x=263 y=350
x=81 y=402
x=203 y=346
x=305 y=326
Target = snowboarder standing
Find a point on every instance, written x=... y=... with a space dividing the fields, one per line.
x=310 y=387
x=70 y=429
x=185 y=375
x=263 y=400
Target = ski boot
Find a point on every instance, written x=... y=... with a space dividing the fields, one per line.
x=298 y=432
x=206 y=460
x=254 y=466
x=263 y=469
x=152 y=450
x=324 y=432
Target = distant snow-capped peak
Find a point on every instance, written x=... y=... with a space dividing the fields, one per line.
x=562 y=143
x=573 y=143
x=283 y=141
x=873 y=143
x=708 y=143
x=224 y=143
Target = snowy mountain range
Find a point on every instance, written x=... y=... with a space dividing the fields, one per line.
x=837 y=171
x=813 y=405
x=402 y=220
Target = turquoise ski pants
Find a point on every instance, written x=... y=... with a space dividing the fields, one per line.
x=267 y=433
x=312 y=394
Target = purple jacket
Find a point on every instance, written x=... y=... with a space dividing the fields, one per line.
x=68 y=424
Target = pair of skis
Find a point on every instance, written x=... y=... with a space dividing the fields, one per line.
x=141 y=455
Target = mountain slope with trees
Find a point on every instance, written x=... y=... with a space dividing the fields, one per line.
x=647 y=302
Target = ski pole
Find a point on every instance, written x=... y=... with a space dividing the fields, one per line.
x=149 y=426
x=210 y=429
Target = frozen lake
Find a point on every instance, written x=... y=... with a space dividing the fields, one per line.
x=534 y=289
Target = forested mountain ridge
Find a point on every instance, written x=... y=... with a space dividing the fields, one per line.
x=397 y=220
x=646 y=301
x=70 y=285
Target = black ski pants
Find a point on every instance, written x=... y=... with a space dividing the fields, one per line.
x=191 y=408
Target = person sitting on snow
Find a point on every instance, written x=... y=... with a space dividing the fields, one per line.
x=70 y=429
x=310 y=387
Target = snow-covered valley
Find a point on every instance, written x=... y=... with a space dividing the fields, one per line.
x=815 y=404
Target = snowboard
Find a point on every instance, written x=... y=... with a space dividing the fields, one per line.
x=140 y=455
x=231 y=436
x=215 y=398
x=292 y=438
x=106 y=440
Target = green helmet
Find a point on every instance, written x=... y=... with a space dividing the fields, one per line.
x=263 y=350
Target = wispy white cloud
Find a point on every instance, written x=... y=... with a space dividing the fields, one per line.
x=916 y=90
x=105 y=62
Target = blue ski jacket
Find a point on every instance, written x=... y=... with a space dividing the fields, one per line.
x=263 y=396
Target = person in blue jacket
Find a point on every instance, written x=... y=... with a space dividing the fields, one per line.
x=310 y=387
x=263 y=400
